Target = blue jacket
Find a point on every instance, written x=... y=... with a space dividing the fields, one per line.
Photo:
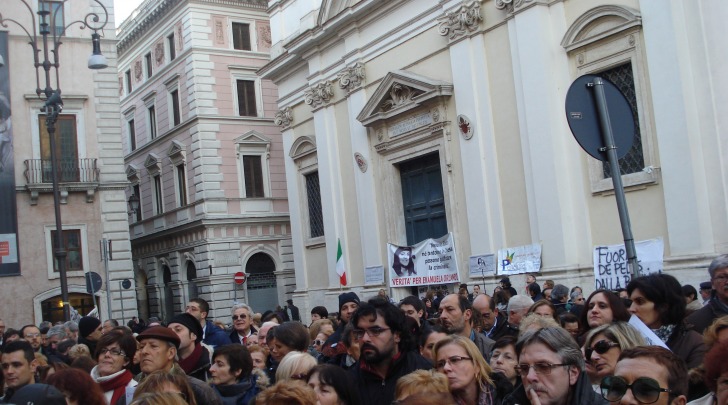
x=214 y=336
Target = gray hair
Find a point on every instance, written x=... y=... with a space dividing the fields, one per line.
x=519 y=303
x=575 y=295
x=72 y=326
x=559 y=292
x=241 y=305
x=57 y=330
x=556 y=339
x=720 y=262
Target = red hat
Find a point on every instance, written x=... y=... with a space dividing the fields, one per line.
x=161 y=333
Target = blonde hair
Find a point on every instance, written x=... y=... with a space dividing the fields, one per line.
x=482 y=369
x=710 y=336
x=78 y=350
x=294 y=363
x=619 y=332
x=287 y=393
x=315 y=327
x=159 y=398
x=535 y=321
x=421 y=381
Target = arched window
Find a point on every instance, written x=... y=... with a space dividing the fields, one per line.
x=261 y=284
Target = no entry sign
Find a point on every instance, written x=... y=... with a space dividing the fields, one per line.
x=239 y=277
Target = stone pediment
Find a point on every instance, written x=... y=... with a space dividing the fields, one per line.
x=132 y=173
x=253 y=137
x=598 y=23
x=153 y=163
x=401 y=91
x=176 y=149
x=301 y=147
x=332 y=8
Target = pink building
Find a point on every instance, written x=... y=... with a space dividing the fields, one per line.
x=204 y=157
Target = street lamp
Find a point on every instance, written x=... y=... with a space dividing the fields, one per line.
x=133 y=203
x=45 y=39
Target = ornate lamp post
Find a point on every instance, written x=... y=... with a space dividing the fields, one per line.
x=45 y=39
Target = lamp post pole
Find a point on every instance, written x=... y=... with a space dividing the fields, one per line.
x=46 y=45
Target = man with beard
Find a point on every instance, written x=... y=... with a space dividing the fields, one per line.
x=193 y=357
x=456 y=318
x=386 y=350
x=32 y=335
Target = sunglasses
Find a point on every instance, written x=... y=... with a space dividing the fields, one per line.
x=235 y=317
x=645 y=390
x=318 y=342
x=600 y=347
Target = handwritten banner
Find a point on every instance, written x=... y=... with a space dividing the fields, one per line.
x=432 y=261
x=610 y=263
x=483 y=265
x=519 y=259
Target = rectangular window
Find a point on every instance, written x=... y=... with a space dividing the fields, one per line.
x=157 y=194
x=54 y=19
x=246 y=98
x=66 y=140
x=74 y=250
x=315 y=214
x=170 y=43
x=148 y=63
x=634 y=160
x=138 y=214
x=174 y=95
x=253 y=171
x=132 y=135
x=127 y=75
x=241 y=36
x=152 y=122
x=181 y=185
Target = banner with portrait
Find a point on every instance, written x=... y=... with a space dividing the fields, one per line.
x=9 y=261
x=432 y=261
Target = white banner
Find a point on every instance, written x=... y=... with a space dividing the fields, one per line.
x=432 y=261
x=519 y=259
x=610 y=263
x=482 y=265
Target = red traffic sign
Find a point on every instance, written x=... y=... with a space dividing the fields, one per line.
x=239 y=277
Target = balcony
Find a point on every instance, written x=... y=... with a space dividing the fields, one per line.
x=73 y=175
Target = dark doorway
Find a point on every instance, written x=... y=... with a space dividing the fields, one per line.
x=423 y=198
x=261 y=284
x=168 y=294
x=191 y=284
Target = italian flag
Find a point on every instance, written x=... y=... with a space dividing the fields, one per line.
x=340 y=269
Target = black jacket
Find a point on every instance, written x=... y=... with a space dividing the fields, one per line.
x=704 y=317
x=501 y=328
x=234 y=338
x=381 y=391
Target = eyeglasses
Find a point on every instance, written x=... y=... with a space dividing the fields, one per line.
x=373 y=332
x=721 y=278
x=539 y=368
x=32 y=335
x=600 y=347
x=241 y=317
x=645 y=390
x=453 y=361
x=318 y=342
x=115 y=352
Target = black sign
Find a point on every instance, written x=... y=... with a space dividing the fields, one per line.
x=126 y=284
x=93 y=282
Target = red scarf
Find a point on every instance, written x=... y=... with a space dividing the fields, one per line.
x=188 y=364
x=118 y=384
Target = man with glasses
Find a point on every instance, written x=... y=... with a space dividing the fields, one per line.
x=552 y=371
x=718 y=304
x=494 y=322
x=31 y=334
x=647 y=375
x=242 y=324
x=387 y=351
x=213 y=335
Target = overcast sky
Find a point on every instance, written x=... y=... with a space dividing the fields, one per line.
x=122 y=9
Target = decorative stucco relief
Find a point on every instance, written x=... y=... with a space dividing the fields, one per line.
x=351 y=78
x=159 y=53
x=219 y=35
x=319 y=94
x=399 y=95
x=138 y=70
x=284 y=117
x=121 y=86
x=510 y=5
x=264 y=36
x=461 y=21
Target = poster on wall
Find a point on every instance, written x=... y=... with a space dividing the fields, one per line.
x=482 y=265
x=432 y=261
x=519 y=259
x=9 y=261
x=610 y=263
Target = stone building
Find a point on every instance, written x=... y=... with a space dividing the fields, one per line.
x=407 y=119
x=203 y=157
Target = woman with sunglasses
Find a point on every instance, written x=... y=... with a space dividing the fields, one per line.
x=601 y=308
x=471 y=379
x=602 y=348
x=114 y=353
x=657 y=300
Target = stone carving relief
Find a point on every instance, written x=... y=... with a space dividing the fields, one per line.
x=219 y=36
x=159 y=53
x=361 y=162
x=461 y=21
x=138 y=70
x=264 y=36
x=319 y=94
x=351 y=78
x=284 y=117
x=180 y=45
x=121 y=86
x=510 y=5
x=465 y=126
x=399 y=95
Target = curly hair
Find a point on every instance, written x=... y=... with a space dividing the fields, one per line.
x=290 y=392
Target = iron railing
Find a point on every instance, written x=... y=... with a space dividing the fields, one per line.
x=38 y=171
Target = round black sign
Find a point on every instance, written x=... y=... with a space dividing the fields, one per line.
x=93 y=282
x=583 y=117
x=126 y=284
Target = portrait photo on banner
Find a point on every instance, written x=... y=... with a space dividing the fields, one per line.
x=432 y=261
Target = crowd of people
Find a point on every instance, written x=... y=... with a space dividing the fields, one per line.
x=548 y=344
